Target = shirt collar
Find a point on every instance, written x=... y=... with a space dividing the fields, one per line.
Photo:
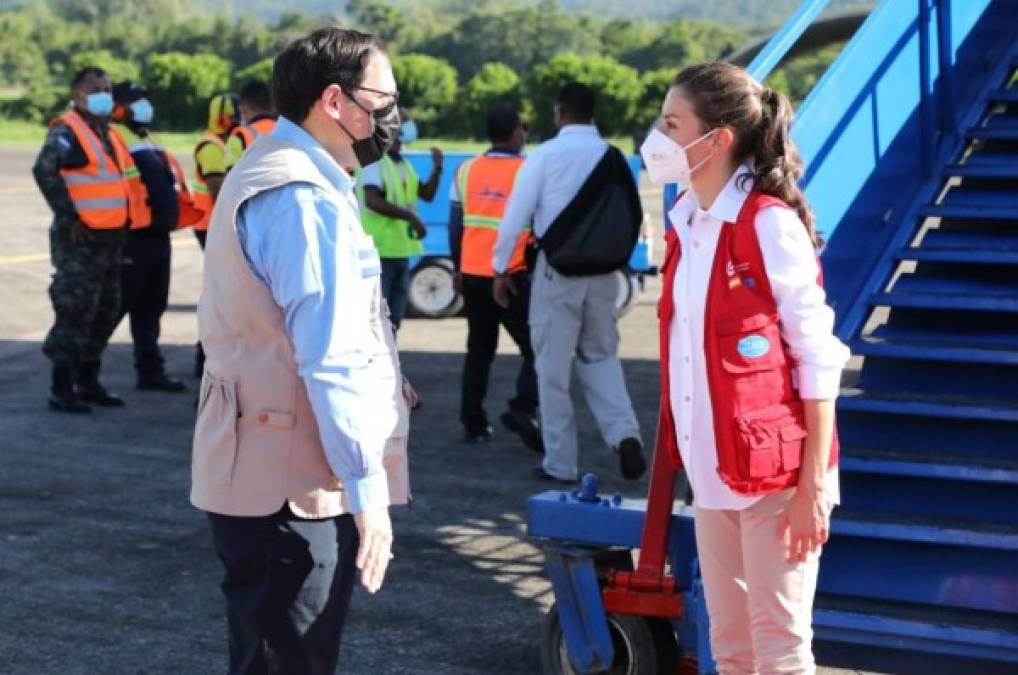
x=295 y=134
x=730 y=200
x=584 y=129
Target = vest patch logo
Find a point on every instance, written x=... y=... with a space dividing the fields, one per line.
x=731 y=269
x=754 y=346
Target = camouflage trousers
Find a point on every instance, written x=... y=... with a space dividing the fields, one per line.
x=85 y=293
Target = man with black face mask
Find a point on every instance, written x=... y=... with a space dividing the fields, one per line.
x=303 y=416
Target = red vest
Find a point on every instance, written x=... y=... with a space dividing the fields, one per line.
x=759 y=425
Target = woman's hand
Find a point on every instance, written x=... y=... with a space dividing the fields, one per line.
x=805 y=525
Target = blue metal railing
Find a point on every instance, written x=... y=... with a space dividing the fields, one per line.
x=770 y=56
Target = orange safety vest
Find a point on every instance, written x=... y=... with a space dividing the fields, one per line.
x=249 y=132
x=485 y=183
x=190 y=207
x=107 y=192
x=202 y=196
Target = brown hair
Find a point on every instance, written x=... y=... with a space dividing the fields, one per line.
x=724 y=95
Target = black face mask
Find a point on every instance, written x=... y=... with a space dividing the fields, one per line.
x=385 y=127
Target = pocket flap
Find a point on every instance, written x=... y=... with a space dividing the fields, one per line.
x=793 y=432
x=733 y=325
x=272 y=418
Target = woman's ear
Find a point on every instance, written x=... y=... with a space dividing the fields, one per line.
x=724 y=139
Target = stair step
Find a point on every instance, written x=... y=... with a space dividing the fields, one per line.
x=1003 y=171
x=984 y=339
x=945 y=302
x=959 y=255
x=899 y=527
x=891 y=463
x=1004 y=96
x=985 y=211
x=945 y=629
x=993 y=411
x=970 y=240
x=1002 y=132
x=876 y=347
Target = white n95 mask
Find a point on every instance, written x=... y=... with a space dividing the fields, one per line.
x=666 y=160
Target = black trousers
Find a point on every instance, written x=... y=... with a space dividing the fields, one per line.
x=144 y=292
x=484 y=317
x=288 y=583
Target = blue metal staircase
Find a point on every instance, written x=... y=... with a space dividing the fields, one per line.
x=925 y=545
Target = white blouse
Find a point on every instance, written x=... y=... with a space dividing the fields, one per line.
x=807 y=325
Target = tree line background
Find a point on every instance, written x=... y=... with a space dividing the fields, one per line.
x=452 y=58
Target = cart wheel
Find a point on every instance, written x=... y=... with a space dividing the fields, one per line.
x=431 y=292
x=626 y=292
x=634 y=639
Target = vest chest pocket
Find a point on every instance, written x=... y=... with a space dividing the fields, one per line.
x=772 y=438
x=216 y=430
x=750 y=343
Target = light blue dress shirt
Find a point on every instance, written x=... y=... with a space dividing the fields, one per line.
x=302 y=242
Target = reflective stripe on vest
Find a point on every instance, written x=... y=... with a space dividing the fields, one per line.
x=99 y=189
x=138 y=207
x=485 y=184
x=391 y=235
x=202 y=196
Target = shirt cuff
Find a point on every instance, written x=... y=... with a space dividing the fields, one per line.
x=819 y=382
x=368 y=493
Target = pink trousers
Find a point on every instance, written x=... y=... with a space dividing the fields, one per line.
x=760 y=605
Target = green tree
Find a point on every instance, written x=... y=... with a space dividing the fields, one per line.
x=261 y=70
x=427 y=86
x=617 y=87
x=181 y=85
x=656 y=84
x=681 y=43
x=494 y=84
x=117 y=69
x=520 y=38
x=21 y=59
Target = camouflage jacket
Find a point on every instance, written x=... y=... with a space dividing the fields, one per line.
x=61 y=150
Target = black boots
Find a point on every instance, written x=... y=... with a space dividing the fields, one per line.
x=160 y=382
x=61 y=396
x=91 y=391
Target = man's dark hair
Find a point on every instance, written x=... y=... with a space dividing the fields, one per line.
x=256 y=94
x=502 y=122
x=80 y=76
x=310 y=64
x=576 y=101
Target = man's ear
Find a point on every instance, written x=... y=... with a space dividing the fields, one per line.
x=332 y=100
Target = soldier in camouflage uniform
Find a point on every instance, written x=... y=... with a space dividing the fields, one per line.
x=85 y=290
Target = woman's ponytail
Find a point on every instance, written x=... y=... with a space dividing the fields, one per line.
x=761 y=118
x=777 y=166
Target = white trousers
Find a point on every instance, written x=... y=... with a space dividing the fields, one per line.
x=760 y=605
x=575 y=317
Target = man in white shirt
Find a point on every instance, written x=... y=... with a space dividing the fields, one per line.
x=574 y=315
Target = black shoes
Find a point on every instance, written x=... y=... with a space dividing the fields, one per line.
x=160 y=382
x=91 y=391
x=478 y=434
x=539 y=473
x=62 y=397
x=631 y=462
x=526 y=427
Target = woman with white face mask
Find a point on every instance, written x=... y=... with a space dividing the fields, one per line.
x=750 y=365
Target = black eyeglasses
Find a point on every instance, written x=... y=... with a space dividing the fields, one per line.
x=394 y=95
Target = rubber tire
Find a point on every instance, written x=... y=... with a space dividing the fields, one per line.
x=644 y=652
x=626 y=291
x=414 y=305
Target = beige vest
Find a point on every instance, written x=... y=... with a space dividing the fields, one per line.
x=256 y=441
